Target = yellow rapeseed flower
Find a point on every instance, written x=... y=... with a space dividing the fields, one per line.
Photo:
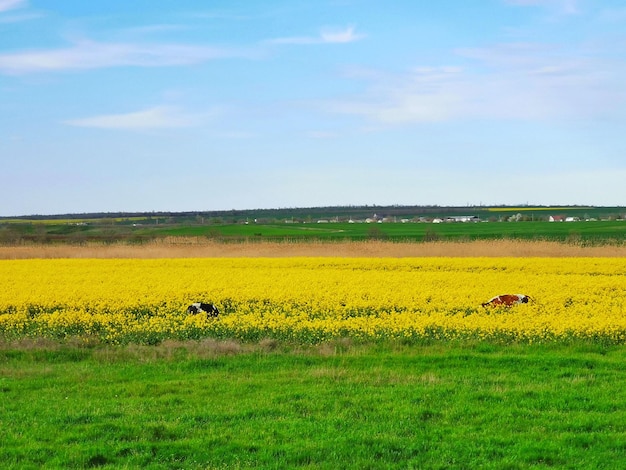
x=313 y=299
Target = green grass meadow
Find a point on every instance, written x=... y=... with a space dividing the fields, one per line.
x=337 y=405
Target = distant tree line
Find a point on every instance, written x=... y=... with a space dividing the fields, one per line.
x=326 y=212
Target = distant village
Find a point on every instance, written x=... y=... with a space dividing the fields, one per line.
x=519 y=217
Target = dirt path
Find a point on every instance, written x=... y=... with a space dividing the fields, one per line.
x=199 y=248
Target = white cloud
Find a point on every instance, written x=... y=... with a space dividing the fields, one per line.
x=14 y=11
x=92 y=55
x=156 y=28
x=566 y=7
x=340 y=36
x=159 y=117
x=536 y=81
x=427 y=94
x=401 y=107
x=326 y=36
x=508 y=81
x=6 y=5
x=86 y=54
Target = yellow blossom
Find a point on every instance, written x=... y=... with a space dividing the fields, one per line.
x=312 y=299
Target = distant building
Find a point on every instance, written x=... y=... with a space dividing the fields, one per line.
x=463 y=218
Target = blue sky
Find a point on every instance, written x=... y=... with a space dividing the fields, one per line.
x=190 y=105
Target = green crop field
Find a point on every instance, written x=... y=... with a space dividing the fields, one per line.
x=591 y=232
x=596 y=225
x=585 y=232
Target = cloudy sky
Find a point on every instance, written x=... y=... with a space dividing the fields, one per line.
x=184 y=105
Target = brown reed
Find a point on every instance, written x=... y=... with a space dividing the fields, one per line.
x=189 y=247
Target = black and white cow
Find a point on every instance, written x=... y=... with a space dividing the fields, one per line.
x=200 y=307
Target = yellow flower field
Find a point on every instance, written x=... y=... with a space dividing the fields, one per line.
x=314 y=299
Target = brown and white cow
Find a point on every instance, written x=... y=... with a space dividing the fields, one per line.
x=507 y=300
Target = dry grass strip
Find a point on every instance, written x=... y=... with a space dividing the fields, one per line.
x=200 y=248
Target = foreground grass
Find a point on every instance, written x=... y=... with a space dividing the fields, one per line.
x=338 y=405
